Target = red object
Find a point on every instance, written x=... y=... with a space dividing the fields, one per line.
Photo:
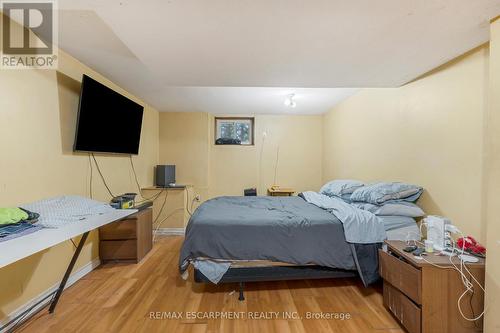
x=471 y=245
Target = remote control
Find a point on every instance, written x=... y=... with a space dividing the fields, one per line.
x=419 y=251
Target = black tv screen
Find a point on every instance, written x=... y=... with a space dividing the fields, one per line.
x=108 y=122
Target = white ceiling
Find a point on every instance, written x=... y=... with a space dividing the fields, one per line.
x=250 y=100
x=191 y=55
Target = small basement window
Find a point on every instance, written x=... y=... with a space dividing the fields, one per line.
x=234 y=130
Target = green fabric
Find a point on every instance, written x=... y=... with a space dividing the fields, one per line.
x=12 y=215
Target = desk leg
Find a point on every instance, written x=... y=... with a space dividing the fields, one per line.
x=53 y=304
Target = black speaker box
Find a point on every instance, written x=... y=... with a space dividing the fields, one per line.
x=165 y=175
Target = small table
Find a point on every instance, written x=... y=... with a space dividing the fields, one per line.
x=280 y=192
x=423 y=296
x=129 y=239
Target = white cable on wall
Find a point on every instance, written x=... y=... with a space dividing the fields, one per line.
x=157 y=227
x=264 y=136
x=276 y=165
x=468 y=285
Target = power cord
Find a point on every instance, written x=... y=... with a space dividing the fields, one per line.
x=156 y=196
x=161 y=208
x=469 y=286
x=467 y=283
x=189 y=206
x=102 y=177
x=187 y=201
x=91 y=176
x=264 y=136
x=152 y=198
x=157 y=226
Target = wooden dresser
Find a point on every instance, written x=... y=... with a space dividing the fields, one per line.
x=424 y=297
x=129 y=239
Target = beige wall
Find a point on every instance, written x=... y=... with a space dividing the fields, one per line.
x=299 y=140
x=492 y=184
x=184 y=142
x=187 y=140
x=38 y=113
x=428 y=132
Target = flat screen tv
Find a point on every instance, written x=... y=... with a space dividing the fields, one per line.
x=108 y=122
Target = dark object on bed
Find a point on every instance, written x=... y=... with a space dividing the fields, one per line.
x=250 y=192
x=275 y=273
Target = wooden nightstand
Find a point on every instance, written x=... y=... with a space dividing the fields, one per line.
x=424 y=297
x=280 y=192
x=129 y=239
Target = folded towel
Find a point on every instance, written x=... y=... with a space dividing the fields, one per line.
x=12 y=215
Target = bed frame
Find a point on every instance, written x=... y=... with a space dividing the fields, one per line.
x=275 y=273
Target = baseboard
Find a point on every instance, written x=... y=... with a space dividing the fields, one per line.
x=71 y=280
x=171 y=231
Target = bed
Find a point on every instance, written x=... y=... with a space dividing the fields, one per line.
x=247 y=239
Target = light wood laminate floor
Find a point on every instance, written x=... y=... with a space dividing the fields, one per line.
x=140 y=298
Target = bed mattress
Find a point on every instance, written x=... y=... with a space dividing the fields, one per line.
x=277 y=229
x=398 y=228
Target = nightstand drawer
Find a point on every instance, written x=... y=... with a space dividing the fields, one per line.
x=124 y=229
x=118 y=249
x=408 y=314
x=401 y=275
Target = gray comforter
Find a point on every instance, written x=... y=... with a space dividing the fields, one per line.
x=285 y=229
x=360 y=226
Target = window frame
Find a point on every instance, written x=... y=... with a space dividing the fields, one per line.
x=252 y=130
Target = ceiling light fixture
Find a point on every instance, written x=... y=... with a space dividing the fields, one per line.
x=290 y=102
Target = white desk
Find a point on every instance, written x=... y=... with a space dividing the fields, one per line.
x=25 y=246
